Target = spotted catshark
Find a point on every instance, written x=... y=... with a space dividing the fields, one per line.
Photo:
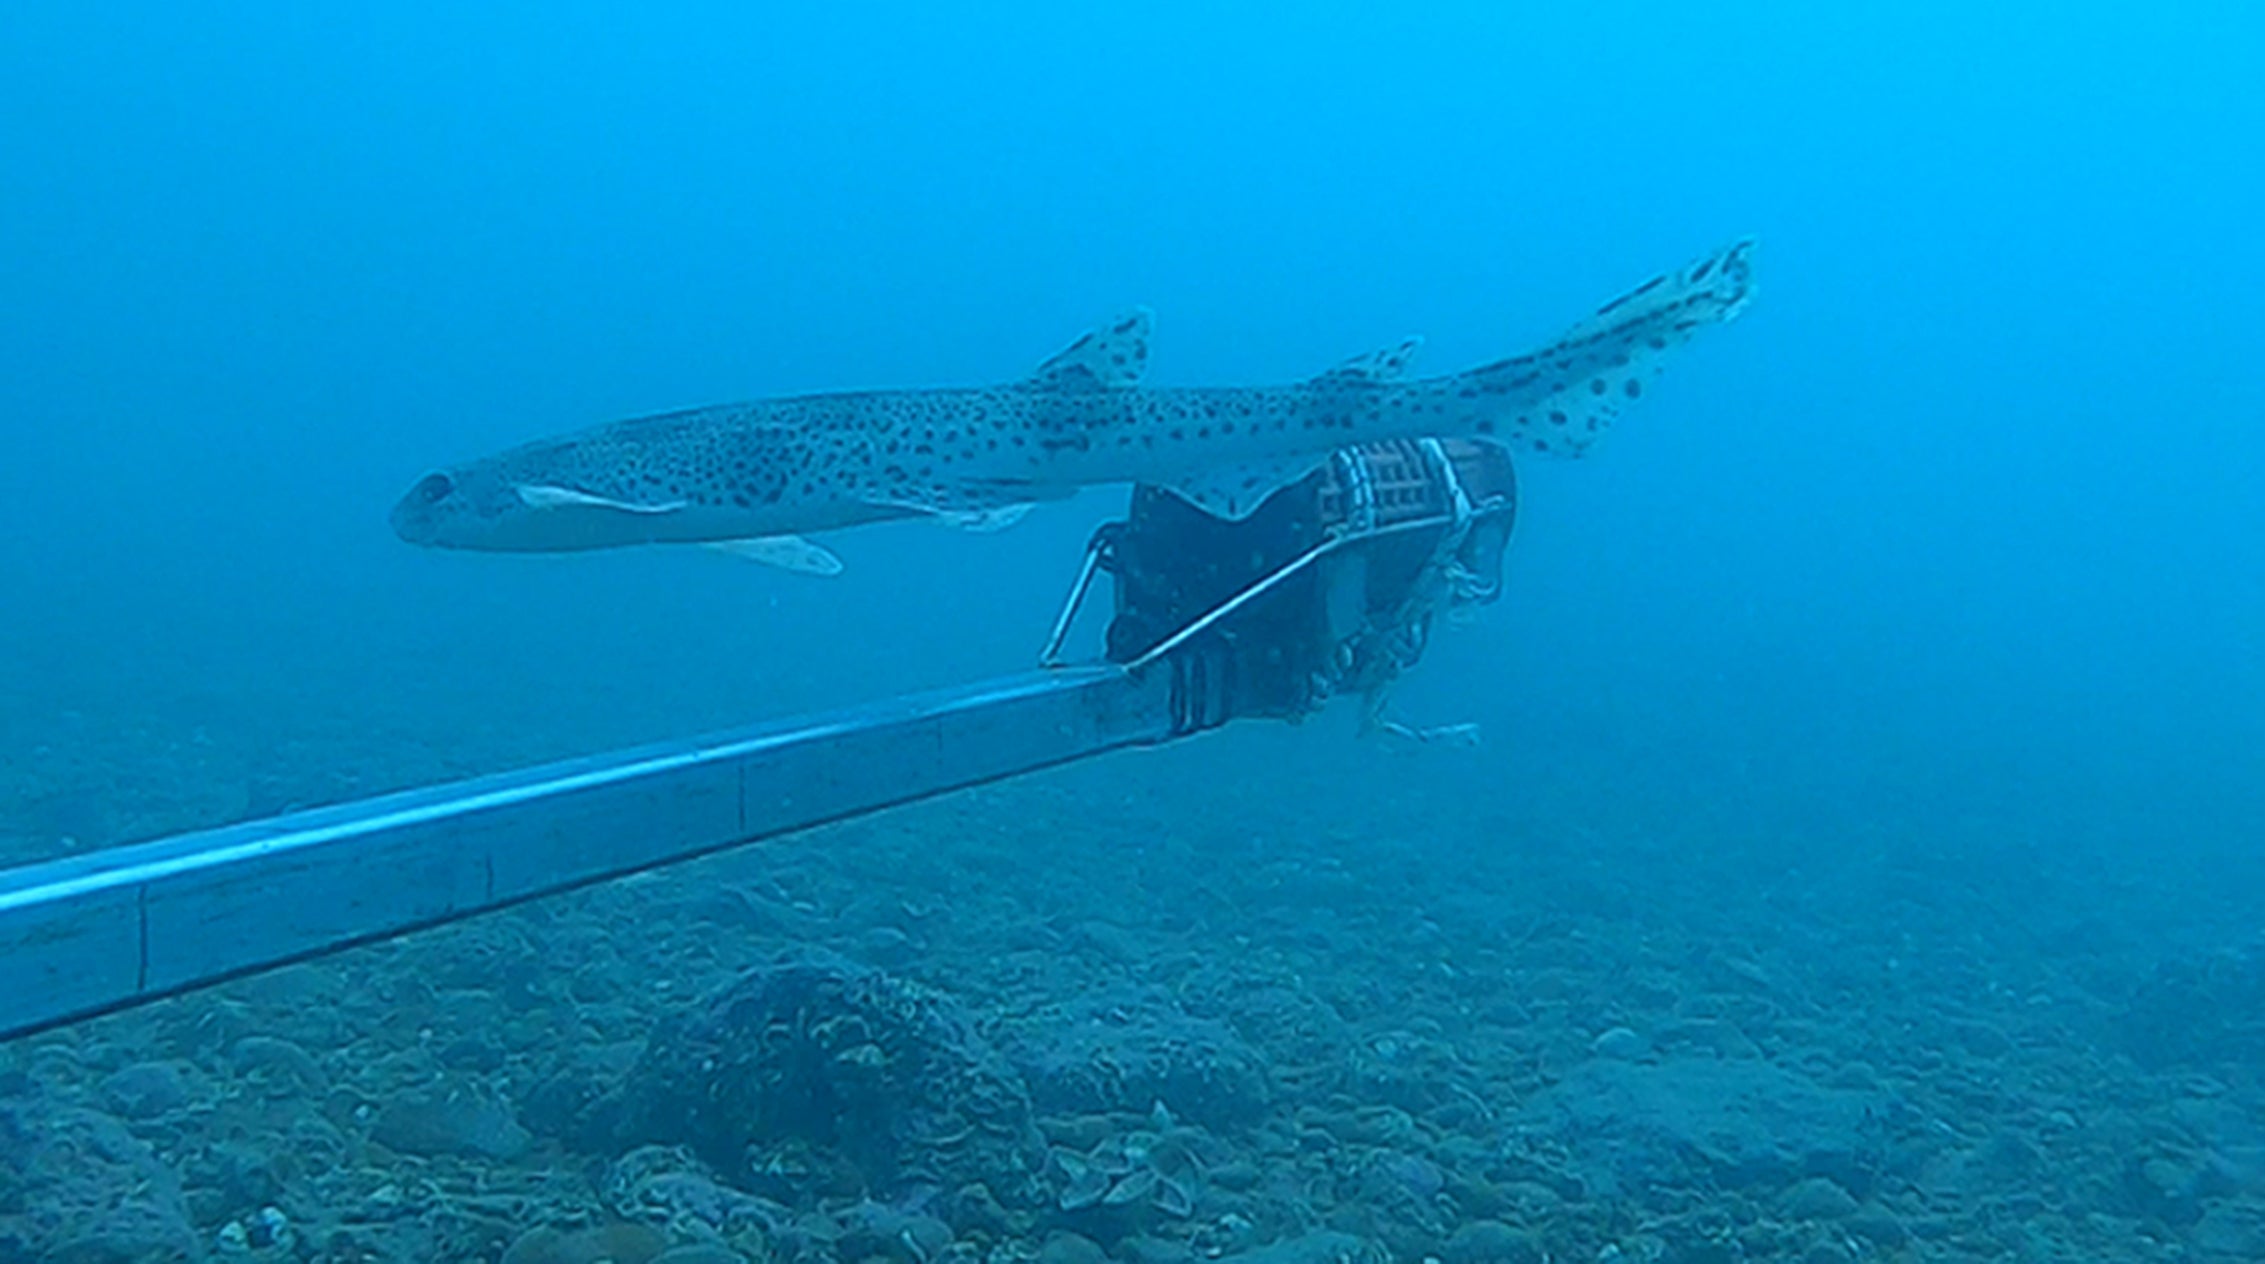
x=754 y=478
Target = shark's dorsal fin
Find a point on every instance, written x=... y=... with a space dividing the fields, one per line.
x=1114 y=355
x=1387 y=365
x=1234 y=491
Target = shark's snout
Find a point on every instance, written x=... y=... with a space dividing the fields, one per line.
x=416 y=517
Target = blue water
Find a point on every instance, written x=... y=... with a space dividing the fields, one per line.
x=1949 y=547
x=1965 y=505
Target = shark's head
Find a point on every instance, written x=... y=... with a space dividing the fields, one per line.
x=550 y=498
x=494 y=506
x=468 y=507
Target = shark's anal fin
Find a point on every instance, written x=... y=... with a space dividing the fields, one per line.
x=787 y=552
x=1235 y=491
x=1387 y=365
x=547 y=496
x=1114 y=355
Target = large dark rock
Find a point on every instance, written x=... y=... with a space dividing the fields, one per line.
x=816 y=1071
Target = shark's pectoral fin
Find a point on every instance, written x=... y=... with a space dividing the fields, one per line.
x=787 y=552
x=1235 y=491
x=1114 y=355
x=1387 y=365
x=547 y=496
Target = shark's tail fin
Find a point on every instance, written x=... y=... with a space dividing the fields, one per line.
x=1558 y=400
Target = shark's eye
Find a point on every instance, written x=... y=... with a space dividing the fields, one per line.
x=433 y=489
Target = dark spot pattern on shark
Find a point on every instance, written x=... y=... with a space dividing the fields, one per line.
x=775 y=468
